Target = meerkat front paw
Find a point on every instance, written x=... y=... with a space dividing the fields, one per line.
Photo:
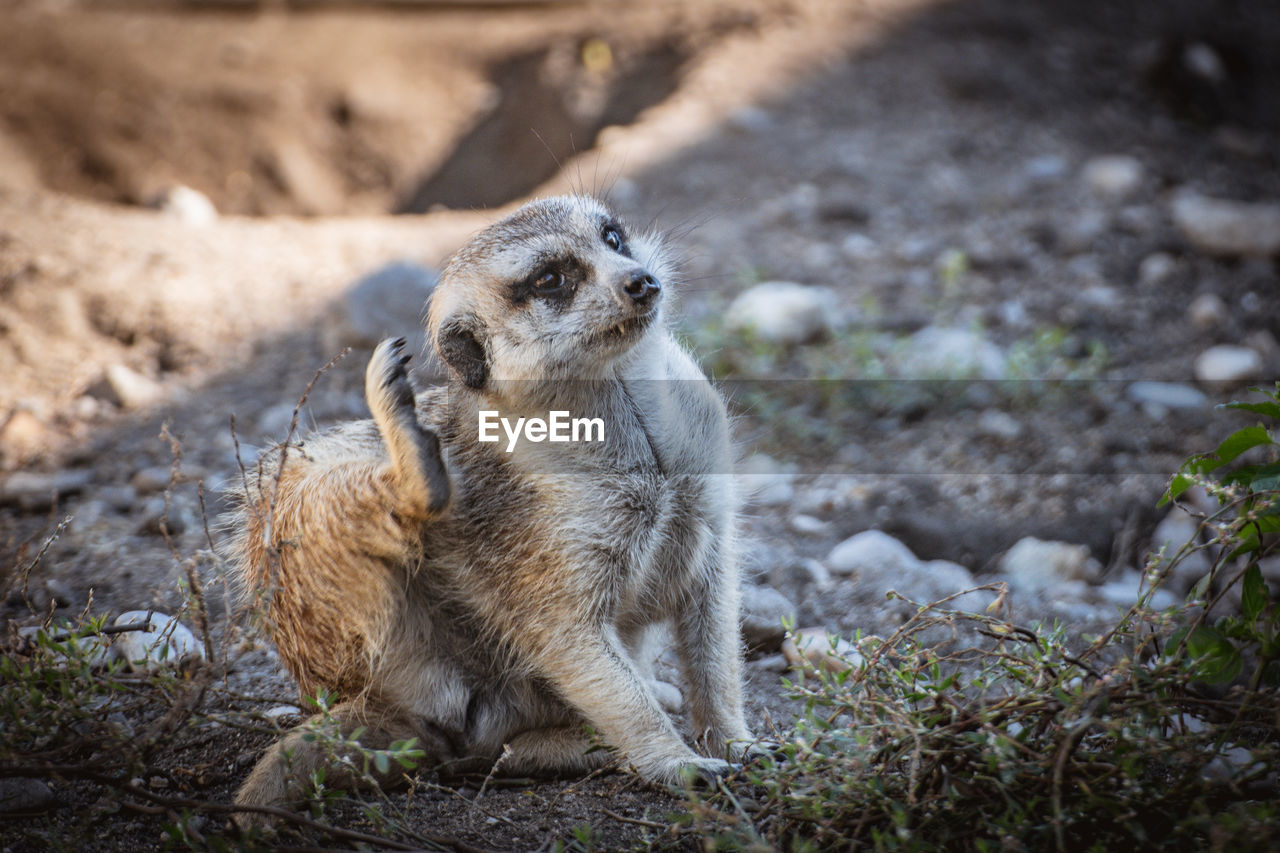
x=697 y=772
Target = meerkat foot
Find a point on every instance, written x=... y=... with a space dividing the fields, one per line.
x=416 y=461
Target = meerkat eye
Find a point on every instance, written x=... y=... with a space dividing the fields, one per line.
x=612 y=237
x=548 y=281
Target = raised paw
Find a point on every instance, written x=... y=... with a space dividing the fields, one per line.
x=388 y=371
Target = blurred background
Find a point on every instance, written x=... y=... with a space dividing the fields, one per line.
x=973 y=273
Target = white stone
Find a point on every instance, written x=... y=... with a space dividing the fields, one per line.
x=1227 y=363
x=1034 y=565
x=165 y=644
x=1175 y=530
x=763 y=611
x=998 y=424
x=937 y=352
x=1124 y=590
x=1045 y=168
x=191 y=206
x=807 y=525
x=1221 y=227
x=1113 y=176
x=783 y=312
x=810 y=648
x=859 y=247
x=1169 y=395
x=1207 y=311
x=1156 y=268
x=871 y=551
x=131 y=389
x=37 y=489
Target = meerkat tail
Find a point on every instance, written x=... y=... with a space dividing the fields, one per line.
x=416 y=465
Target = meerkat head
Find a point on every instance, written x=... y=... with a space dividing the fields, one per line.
x=560 y=289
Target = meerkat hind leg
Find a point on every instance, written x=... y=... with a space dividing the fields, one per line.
x=416 y=463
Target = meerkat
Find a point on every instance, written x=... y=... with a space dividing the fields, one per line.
x=494 y=599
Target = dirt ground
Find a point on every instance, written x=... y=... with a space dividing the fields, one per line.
x=922 y=159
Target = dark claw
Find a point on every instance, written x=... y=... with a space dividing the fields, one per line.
x=405 y=359
x=399 y=343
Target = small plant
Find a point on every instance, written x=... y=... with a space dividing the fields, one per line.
x=968 y=731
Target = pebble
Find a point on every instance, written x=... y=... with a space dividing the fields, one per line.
x=1112 y=176
x=282 y=711
x=772 y=663
x=129 y=389
x=1045 y=169
x=1156 y=268
x=783 y=312
x=166 y=644
x=938 y=352
x=1079 y=234
x=176 y=520
x=1207 y=311
x=1226 y=364
x=1176 y=529
x=190 y=206
x=1166 y=395
x=809 y=570
x=940 y=578
x=34 y=490
x=1124 y=590
x=1229 y=228
x=20 y=795
x=871 y=550
x=859 y=247
x=387 y=303
x=807 y=525
x=810 y=648
x=1034 y=565
x=995 y=423
x=762 y=615
x=23 y=435
x=152 y=479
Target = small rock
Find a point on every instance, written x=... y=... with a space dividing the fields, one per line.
x=1230 y=228
x=1167 y=395
x=763 y=612
x=1045 y=169
x=859 y=247
x=1226 y=364
x=772 y=663
x=941 y=578
x=1174 y=531
x=129 y=389
x=1124 y=591
x=1156 y=268
x=1081 y=232
x=148 y=481
x=783 y=312
x=936 y=352
x=1112 y=176
x=118 y=498
x=995 y=423
x=750 y=119
x=1229 y=765
x=807 y=525
x=157 y=519
x=387 y=303
x=813 y=571
x=191 y=206
x=871 y=550
x=809 y=648
x=282 y=711
x=22 y=436
x=32 y=490
x=1033 y=565
x=1207 y=311
x=166 y=643
x=21 y=796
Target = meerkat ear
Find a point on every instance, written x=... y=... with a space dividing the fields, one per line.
x=460 y=347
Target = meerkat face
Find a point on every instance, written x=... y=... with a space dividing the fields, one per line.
x=559 y=289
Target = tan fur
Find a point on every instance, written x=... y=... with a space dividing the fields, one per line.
x=510 y=601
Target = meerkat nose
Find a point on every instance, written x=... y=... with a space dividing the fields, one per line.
x=641 y=287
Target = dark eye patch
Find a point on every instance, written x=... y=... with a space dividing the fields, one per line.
x=553 y=280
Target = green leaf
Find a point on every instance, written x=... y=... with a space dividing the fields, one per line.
x=380 y=762
x=1221 y=668
x=1204 y=640
x=1266 y=478
x=1253 y=595
x=1270 y=409
x=1238 y=442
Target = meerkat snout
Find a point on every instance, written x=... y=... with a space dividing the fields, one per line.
x=642 y=288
